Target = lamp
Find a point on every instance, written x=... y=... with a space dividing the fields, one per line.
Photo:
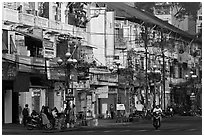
x=153 y=72
x=192 y=77
x=60 y=61
x=67 y=64
x=67 y=55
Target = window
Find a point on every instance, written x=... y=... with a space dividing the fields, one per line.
x=172 y=72
x=116 y=57
x=180 y=72
x=199 y=17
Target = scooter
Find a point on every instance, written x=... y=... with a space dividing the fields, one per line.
x=156 y=119
x=35 y=122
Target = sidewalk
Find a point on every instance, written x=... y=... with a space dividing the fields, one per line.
x=19 y=129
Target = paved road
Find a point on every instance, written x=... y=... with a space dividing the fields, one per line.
x=171 y=126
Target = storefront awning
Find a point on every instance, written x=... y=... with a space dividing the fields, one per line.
x=32 y=36
x=4 y=48
x=131 y=13
x=178 y=82
x=89 y=45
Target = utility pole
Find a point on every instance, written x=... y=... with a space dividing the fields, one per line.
x=163 y=41
x=146 y=78
x=144 y=36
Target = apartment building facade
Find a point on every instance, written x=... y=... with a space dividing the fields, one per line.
x=36 y=34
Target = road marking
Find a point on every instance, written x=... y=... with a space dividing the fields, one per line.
x=125 y=130
x=175 y=129
x=90 y=131
x=143 y=130
x=108 y=131
x=191 y=129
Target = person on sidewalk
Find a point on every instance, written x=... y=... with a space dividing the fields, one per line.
x=72 y=116
x=25 y=113
x=111 y=111
x=67 y=114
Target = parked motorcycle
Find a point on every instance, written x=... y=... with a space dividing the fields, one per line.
x=36 y=122
x=156 y=119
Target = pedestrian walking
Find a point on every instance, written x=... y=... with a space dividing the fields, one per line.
x=67 y=114
x=72 y=116
x=112 y=111
x=20 y=114
x=25 y=114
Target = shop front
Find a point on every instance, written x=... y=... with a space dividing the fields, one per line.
x=56 y=77
x=9 y=97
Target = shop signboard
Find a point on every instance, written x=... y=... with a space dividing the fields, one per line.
x=102 y=92
x=120 y=107
x=38 y=65
x=192 y=97
x=48 y=48
x=25 y=63
x=36 y=92
x=98 y=71
x=108 y=77
x=54 y=71
x=112 y=90
x=8 y=71
x=80 y=85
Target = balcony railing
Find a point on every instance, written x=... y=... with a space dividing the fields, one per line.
x=55 y=25
x=27 y=19
x=79 y=32
x=67 y=29
x=41 y=22
x=10 y=15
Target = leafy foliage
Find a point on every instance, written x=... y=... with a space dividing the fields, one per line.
x=183 y=8
x=146 y=6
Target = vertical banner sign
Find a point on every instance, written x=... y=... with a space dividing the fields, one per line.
x=48 y=48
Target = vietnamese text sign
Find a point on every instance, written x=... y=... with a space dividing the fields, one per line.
x=54 y=72
x=120 y=107
x=49 y=51
x=39 y=65
x=102 y=92
x=24 y=63
x=8 y=71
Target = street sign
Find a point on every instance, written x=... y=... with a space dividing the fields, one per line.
x=69 y=97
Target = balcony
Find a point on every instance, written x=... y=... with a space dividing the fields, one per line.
x=27 y=19
x=67 y=28
x=79 y=32
x=10 y=15
x=41 y=22
x=55 y=25
x=120 y=43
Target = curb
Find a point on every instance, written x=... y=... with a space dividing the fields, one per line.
x=63 y=130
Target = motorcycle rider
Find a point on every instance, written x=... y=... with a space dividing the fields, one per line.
x=157 y=109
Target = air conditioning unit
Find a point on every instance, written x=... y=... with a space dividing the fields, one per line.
x=57 y=17
x=126 y=23
x=96 y=13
